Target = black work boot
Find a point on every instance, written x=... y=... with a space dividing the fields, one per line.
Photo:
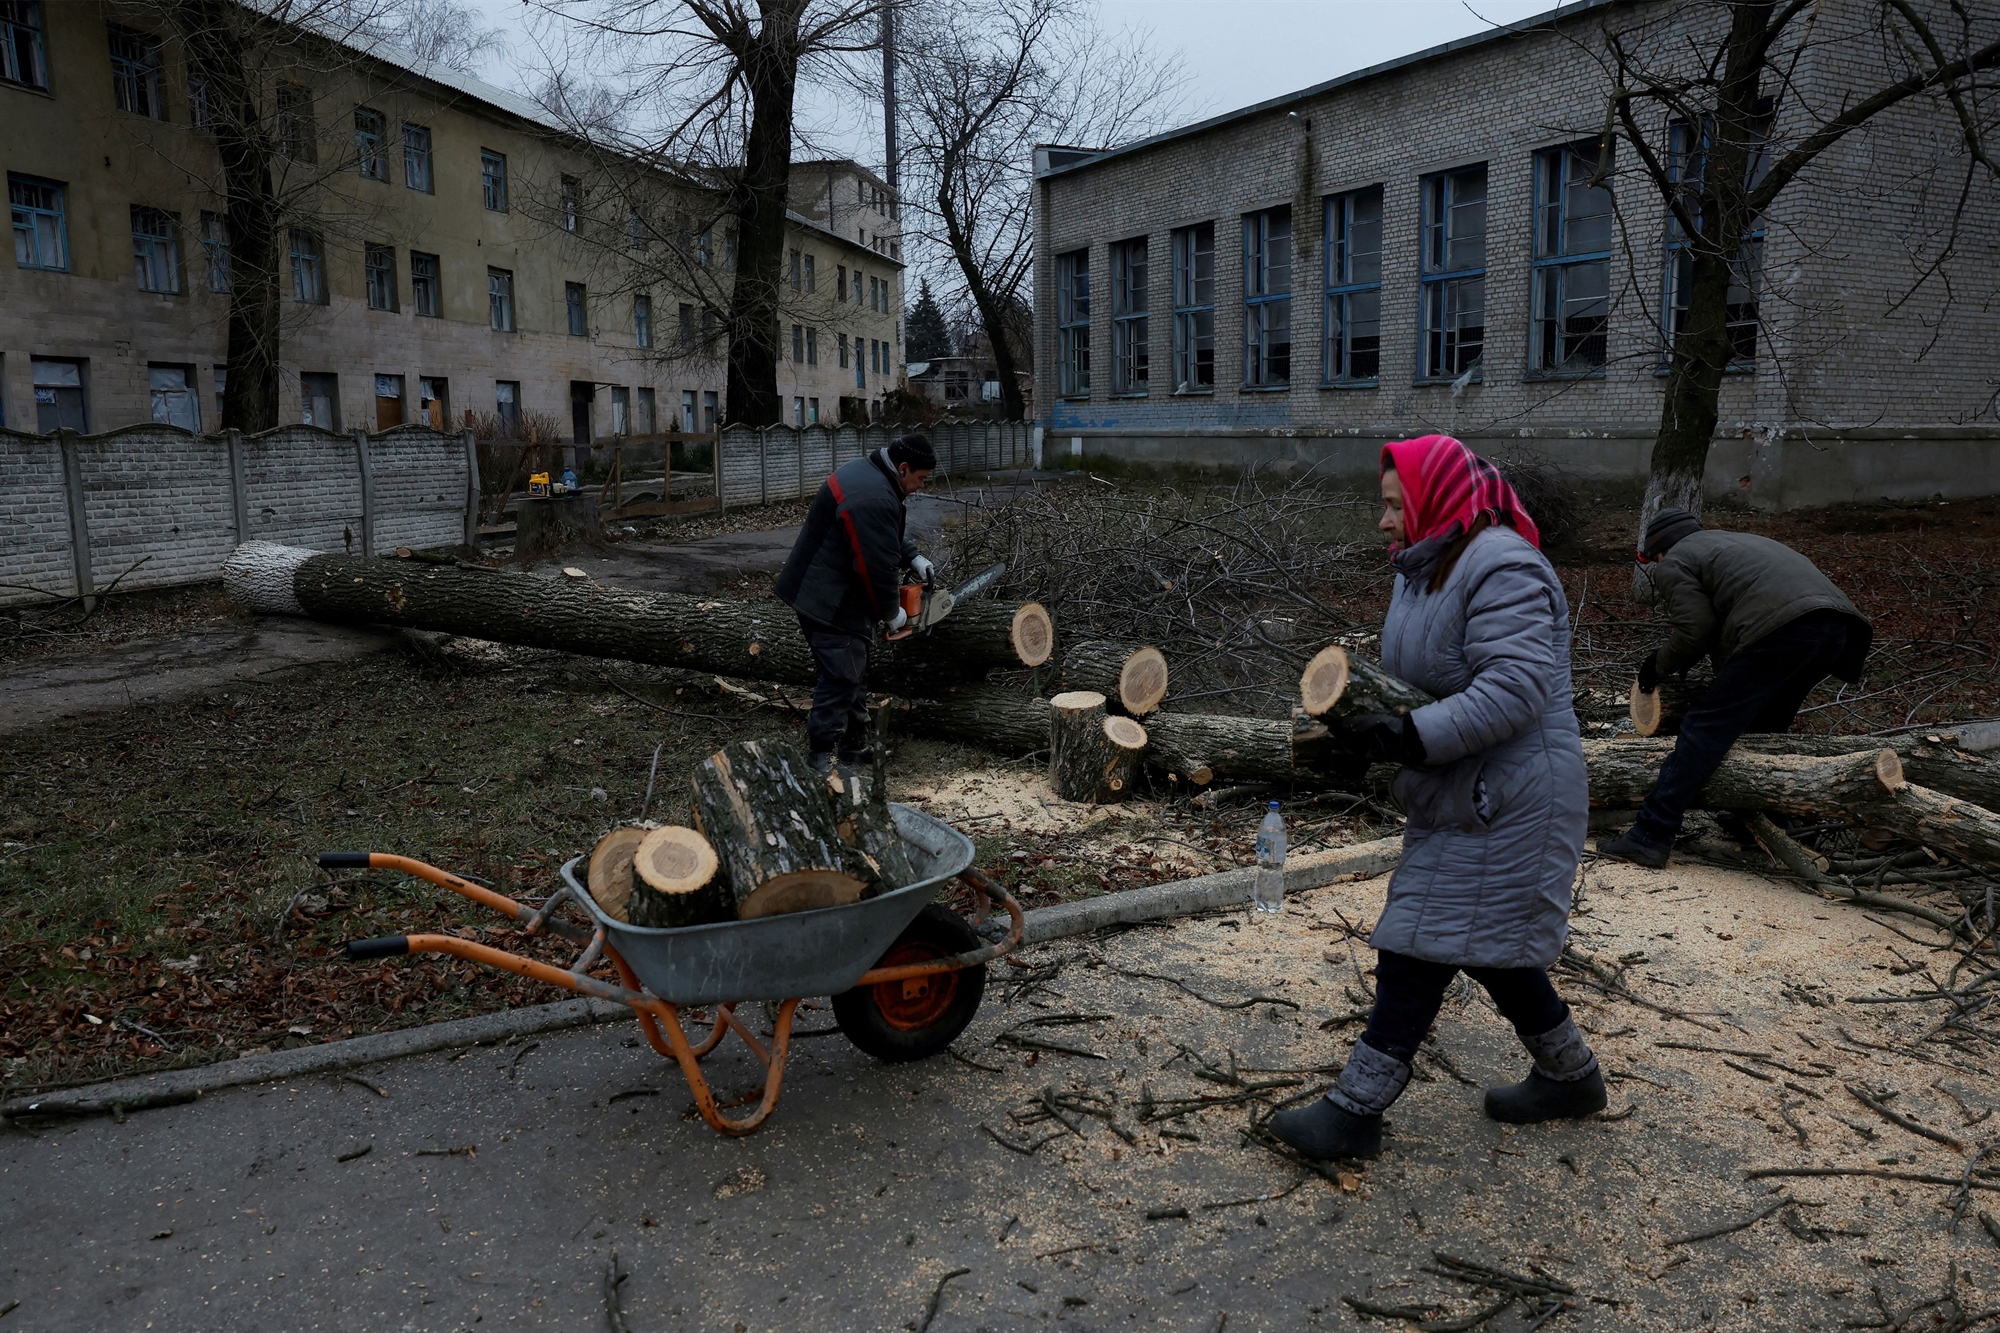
x=1347 y=1122
x=1628 y=846
x=1565 y=1083
x=821 y=761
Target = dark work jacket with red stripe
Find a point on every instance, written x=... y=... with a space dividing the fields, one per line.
x=844 y=569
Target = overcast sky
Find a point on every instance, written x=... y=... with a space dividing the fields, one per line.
x=1235 y=52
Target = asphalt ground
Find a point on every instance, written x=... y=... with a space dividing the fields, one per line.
x=497 y=1181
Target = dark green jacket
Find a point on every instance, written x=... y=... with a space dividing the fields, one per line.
x=1722 y=591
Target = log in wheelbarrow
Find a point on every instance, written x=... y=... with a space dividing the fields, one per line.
x=906 y=974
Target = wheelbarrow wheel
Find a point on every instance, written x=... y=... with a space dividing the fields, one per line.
x=909 y=1020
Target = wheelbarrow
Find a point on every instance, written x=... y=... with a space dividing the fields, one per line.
x=906 y=975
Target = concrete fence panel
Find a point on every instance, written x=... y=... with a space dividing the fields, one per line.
x=35 y=559
x=164 y=534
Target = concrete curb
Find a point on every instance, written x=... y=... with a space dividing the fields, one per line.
x=1205 y=893
x=1152 y=903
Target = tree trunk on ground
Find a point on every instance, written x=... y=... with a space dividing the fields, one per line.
x=1131 y=677
x=1622 y=773
x=771 y=822
x=1001 y=720
x=1337 y=685
x=675 y=881
x=751 y=640
x=1937 y=765
x=1200 y=748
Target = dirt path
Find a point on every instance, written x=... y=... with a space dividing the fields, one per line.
x=873 y=1183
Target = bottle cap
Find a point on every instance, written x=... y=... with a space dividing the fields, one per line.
x=1273 y=805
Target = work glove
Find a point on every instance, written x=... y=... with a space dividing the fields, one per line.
x=1649 y=673
x=897 y=621
x=1386 y=738
x=921 y=567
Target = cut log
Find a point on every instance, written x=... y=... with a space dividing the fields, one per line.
x=753 y=640
x=1126 y=741
x=1078 y=750
x=1841 y=786
x=993 y=718
x=675 y=881
x=1658 y=712
x=1930 y=759
x=1202 y=747
x=610 y=875
x=770 y=820
x=1132 y=678
x=1338 y=684
x=865 y=823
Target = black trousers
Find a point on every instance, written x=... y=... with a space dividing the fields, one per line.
x=1758 y=690
x=838 y=721
x=1409 y=991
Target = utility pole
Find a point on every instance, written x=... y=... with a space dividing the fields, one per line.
x=889 y=93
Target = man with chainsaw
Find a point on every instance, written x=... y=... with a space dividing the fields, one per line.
x=844 y=578
x=1776 y=627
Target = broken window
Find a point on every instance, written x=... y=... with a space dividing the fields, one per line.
x=135 y=72
x=426 y=281
x=1454 y=273
x=379 y=263
x=21 y=55
x=572 y=206
x=1267 y=298
x=500 y=299
x=370 y=140
x=1128 y=317
x=417 y=157
x=298 y=132
x=493 y=180
x=1352 y=353
x=1072 y=324
x=1572 y=266
x=308 y=268
x=1688 y=149
x=1194 y=308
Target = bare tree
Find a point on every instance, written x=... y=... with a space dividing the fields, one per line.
x=692 y=126
x=1721 y=106
x=982 y=83
x=439 y=31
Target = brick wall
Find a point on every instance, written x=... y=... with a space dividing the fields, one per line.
x=161 y=505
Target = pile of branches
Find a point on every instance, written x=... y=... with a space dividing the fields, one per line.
x=1238 y=583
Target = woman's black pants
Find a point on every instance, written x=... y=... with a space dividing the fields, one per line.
x=1409 y=992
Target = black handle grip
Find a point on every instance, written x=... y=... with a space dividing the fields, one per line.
x=343 y=860
x=382 y=946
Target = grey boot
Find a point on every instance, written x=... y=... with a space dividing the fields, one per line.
x=1347 y=1122
x=1565 y=1083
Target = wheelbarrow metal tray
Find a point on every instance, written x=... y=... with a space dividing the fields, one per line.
x=820 y=952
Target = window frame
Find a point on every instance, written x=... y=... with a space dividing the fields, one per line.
x=13 y=69
x=642 y=319
x=1073 y=324
x=58 y=190
x=380 y=276
x=576 y=309
x=1552 y=262
x=189 y=396
x=426 y=285
x=156 y=255
x=417 y=159
x=306 y=251
x=493 y=180
x=298 y=125
x=215 y=243
x=135 y=73
x=1438 y=283
x=1744 y=275
x=1343 y=289
x=371 y=144
x=500 y=299
x=1129 y=319
x=1262 y=302
x=571 y=192
x=1189 y=341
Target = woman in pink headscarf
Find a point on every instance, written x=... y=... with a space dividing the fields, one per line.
x=1494 y=789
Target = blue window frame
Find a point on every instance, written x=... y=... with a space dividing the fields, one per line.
x=1267 y=298
x=1453 y=278
x=1687 y=164
x=1073 y=324
x=1572 y=263
x=1352 y=350
x=1194 y=308
x=21 y=57
x=493 y=180
x=41 y=234
x=1128 y=317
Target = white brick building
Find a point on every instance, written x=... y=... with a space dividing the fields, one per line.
x=1302 y=279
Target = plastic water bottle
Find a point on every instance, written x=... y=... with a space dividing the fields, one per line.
x=1267 y=894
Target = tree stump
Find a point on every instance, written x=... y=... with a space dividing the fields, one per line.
x=1125 y=744
x=771 y=822
x=675 y=883
x=1132 y=678
x=1077 y=747
x=544 y=525
x=1338 y=685
x=610 y=874
x=1658 y=712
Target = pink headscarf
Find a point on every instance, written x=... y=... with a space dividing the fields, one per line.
x=1444 y=483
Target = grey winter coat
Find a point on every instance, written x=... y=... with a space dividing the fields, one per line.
x=1496 y=818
